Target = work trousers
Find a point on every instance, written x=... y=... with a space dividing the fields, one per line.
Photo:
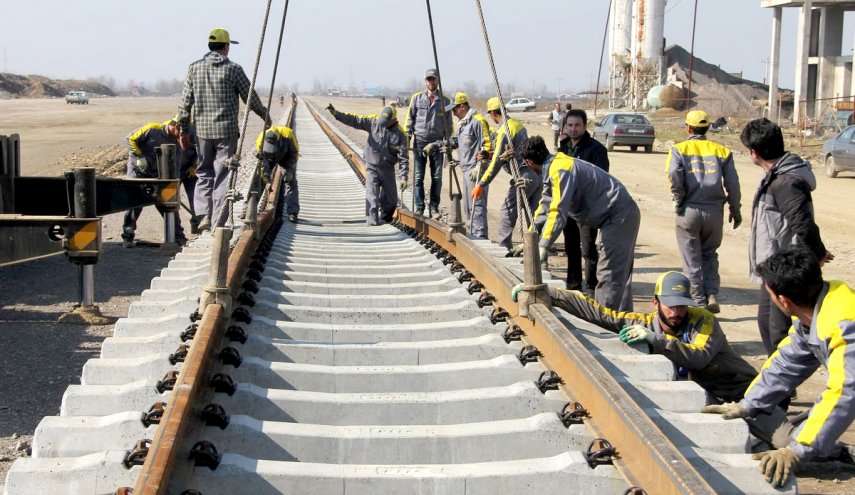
x=772 y=322
x=580 y=243
x=556 y=137
x=699 y=233
x=381 y=194
x=478 y=219
x=212 y=177
x=617 y=250
x=420 y=164
x=292 y=189
x=508 y=211
x=129 y=223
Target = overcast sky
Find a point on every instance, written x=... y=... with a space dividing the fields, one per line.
x=371 y=42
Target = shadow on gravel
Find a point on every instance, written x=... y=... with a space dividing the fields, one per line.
x=42 y=357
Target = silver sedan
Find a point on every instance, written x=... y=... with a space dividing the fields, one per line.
x=838 y=152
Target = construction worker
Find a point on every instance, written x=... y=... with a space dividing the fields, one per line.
x=428 y=122
x=188 y=160
x=386 y=146
x=472 y=141
x=702 y=178
x=782 y=216
x=142 y=164
x=576 y=190
x=580 y=242
x=211 y=90
x=530 y=179
x=555 y=118
x=278 y=146
x=689 y=336
x=822 y=334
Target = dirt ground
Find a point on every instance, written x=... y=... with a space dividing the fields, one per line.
x=47 y=356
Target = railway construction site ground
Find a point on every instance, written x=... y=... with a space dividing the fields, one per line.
x=44 y=357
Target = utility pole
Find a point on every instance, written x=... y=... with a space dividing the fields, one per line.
x=765 y=68
x=558 y=94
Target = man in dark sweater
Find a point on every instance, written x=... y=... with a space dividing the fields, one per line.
x=579 y=240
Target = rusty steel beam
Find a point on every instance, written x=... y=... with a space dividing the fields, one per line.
x=646 y=457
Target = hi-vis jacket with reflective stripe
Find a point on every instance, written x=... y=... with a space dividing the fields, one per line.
x=143 y=141
x=697 y=169
x=424 y=119
x=518 y=135
x=584 y=192
x=288 y=150
x=472 y=136
x=699 y=346
x=830 y=342
x=385 y=146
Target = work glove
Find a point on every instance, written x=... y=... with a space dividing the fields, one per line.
x=544 y=255
x=191 y=172
x=330 y=108
x=679 y=208
x=184 y=140
x=141 y=164
x=507 y=155
x=268 y=123
x=473 y=174
x=776 y=465
x=515 y=252
x=477 y=191
x=515 y=291
x=636 y=334
x=735 y=218
x=403 y=184
x=728 y=410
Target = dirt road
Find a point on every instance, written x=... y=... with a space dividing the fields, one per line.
x=32 y=295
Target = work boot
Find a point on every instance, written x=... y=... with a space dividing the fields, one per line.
x=128 y=243
x=204 y=223
x=434 y=213
x=194 y=224
x=712 y=304
x=181 y=241
x=292 y=217
x=420 y=211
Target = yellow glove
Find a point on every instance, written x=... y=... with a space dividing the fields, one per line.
x=728 y=410
x=191 y=172
x=776 y=465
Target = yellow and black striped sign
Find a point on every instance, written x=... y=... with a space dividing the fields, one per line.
x=169 y=194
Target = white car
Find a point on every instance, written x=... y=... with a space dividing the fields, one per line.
x=520 y=105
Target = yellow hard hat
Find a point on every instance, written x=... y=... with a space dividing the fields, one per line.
x=220 y=35
x=459 y=99
x=493 y=104
x=697 y=118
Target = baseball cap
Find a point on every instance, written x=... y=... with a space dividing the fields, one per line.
x=493 y=104
x=697 y=118
x=672 y=289
x=386 y=115
x=459 y=99
x=431 y=73
x=220 y=35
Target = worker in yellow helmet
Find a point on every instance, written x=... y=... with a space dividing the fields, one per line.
x=278 y=146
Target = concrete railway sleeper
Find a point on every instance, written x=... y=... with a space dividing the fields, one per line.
x=357 y=361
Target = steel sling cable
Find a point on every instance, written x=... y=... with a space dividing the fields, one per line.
x=262 y=201
x=228 y=204
x=523 y=211
x=454 y=186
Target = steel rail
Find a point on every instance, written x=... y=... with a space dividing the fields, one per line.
x=646 y=457
x=182 y=408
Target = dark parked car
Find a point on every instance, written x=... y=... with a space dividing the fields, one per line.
x=626 y=129
x=839 y=152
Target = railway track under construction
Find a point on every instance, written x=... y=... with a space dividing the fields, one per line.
x=329 y=357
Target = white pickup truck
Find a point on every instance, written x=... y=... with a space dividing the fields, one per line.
x=79 y=97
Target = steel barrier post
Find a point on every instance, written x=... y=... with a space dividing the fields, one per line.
x=534 y=290
x=167 y=170
x=215 y=290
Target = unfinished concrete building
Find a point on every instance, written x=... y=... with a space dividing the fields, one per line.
x=823 y=72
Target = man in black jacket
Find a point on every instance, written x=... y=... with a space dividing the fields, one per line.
x=580 y=240
x=782 y=217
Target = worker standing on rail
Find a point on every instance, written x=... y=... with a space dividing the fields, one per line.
x=689 y=336
x=278 y=146
x=472 y=141
x=142 y=164
x=702 y=178
x=575 y=190
x=580 y=241
x=386 y=146
x=211 y=90
x=428 y=122
x=530 y=180
x=822 y=334
x=782 y=216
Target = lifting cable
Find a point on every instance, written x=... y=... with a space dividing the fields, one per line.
x=523 y=211
x=262 y=202
x=454 y=182
x=228 y=204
